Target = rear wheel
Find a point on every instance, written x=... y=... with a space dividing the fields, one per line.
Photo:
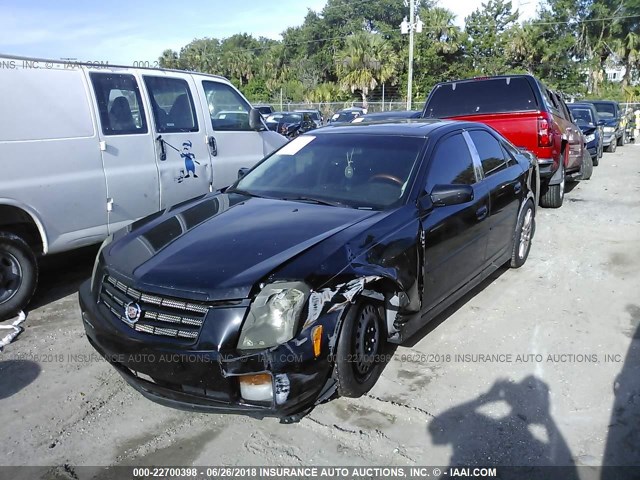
x=525 y=228
x=554 y=196
x=360 y=353
x=18 y=274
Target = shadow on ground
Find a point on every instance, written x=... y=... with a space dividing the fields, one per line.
x=61 y=275
x=20 y=373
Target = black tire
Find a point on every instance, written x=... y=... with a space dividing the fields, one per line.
x=595 y=160
x=620 y=140
x=360 y=353
x=587 y=166
x=525 y=229
x=612 y=146
x=18 y=274
x=554 y=194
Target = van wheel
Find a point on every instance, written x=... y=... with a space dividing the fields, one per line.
x=18 y=274
x=525 y=228
x=554 y=196
x=360 y=353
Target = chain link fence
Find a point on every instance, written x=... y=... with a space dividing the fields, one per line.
x=329 y=108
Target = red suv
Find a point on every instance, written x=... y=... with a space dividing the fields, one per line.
x=527 y=113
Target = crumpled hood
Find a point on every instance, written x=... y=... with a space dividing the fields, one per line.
x=218 y=247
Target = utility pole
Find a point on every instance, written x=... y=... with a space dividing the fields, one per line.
x=410 y=27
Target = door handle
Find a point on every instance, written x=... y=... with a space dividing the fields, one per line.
x=482 y=212
x=517 y=188
x=163 y=152
x=213 y=146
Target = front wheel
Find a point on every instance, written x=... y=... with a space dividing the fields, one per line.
x=612 y=146
x=360 y=353
x=525 y=228
x=18 y=274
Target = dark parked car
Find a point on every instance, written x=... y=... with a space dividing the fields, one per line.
x=268 y=297
x=390 y=115
x=265 y=110
x=613 y=130
x=315 y=115
x=290 y=124
x=587 y=119
x=347 y=115
x=527 y=113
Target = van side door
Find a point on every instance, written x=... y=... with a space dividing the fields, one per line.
x=181 y=151
x=232 y=143
x=127 y=148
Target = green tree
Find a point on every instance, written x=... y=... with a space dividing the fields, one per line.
x=489 y=29
x=365 y=61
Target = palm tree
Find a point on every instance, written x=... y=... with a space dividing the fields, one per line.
x=366 y=61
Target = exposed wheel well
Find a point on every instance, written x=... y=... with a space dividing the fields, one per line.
x=17 y=221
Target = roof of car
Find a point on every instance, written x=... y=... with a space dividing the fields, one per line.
x=408 y=127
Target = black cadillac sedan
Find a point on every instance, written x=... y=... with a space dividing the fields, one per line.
x=274 y=294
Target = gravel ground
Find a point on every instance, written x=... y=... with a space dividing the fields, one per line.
x=563 y=386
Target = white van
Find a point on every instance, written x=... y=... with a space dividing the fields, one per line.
x=86 y=149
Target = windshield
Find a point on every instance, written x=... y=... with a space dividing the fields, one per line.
x=475 y=97
x=582 y=115
x=359 y=170
x=606 y=110
x=284 y=117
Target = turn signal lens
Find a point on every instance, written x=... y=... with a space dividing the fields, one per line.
x=316 y=337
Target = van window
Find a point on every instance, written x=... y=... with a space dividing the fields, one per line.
x=119 y=103
x=172 y=104
x=228 y=110
x=481 y=96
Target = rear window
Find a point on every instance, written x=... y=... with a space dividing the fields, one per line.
x=476 y=97
x=606 y=110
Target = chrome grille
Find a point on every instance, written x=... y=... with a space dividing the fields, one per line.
x=159 y=315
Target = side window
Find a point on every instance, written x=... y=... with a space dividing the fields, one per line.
x=491 y=154
x=119 y=104
x=228 y=110
x=510 y=154
x=451 y=163
x=172 y=104
x=548 y=99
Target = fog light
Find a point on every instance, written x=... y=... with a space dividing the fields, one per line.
x=256 y=388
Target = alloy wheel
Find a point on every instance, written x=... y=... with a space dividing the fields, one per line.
x=10 y=276
x=525 y=236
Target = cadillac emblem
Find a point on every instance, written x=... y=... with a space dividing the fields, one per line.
x=132 y=312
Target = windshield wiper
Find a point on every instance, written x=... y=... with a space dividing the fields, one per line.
x=319 y=201
x=242 y=192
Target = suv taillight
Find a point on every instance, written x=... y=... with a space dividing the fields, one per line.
x=545 y=134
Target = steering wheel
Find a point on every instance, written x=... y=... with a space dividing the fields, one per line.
x=386 y=177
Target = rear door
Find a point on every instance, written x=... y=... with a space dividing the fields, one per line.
x=181 y=153
x=127 y=148
x=455 y=236
x=503 y=178
x=232 y=143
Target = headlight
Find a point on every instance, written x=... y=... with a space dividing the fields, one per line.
x=106 y=242
x=609 y=129
x=590 y=138
x=274 y=315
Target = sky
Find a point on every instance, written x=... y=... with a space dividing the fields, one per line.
x=124 y=32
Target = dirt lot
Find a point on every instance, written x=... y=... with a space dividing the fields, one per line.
x=566 y=326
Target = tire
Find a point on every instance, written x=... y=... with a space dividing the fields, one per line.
x=525 y=228
x=620 y=140
x=360 y=353
x=18 y=274
x=554 y=196
x=595 y=160
x=587 y=166
x=612 y=146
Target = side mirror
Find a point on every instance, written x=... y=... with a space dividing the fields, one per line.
x=445 y=195
x=242 y=172
x=255 y=120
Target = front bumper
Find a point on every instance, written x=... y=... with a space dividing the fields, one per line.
x=191 y=378
x=607 y=138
